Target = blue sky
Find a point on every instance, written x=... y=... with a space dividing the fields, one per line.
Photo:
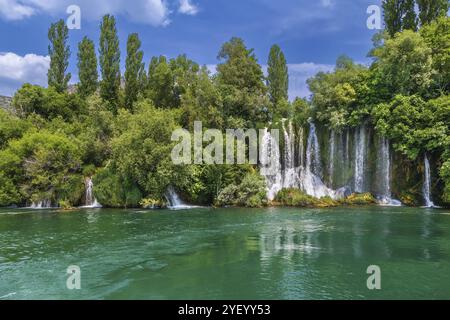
x=312 y=33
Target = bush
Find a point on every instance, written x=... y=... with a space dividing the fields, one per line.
x=42 y=166
x=47 y=103
x=251 y=192
x=152 y=204
x=112 y=190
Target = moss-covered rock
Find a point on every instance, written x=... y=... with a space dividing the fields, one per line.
x=409 y=199
x=359 y=199
x=297 y=198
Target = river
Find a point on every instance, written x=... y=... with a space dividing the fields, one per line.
x=204 y=253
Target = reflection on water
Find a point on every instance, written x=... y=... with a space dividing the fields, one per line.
x=225 y=254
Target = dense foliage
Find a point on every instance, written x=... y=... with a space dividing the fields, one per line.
x=121 y=135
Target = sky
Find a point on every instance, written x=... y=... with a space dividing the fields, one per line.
x=311 y=33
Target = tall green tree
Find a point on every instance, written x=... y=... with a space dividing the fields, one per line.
x=399 y=15
x=160 y=83
x=430 y=10
x=241 y=82
x=87 y=68
x=278 y=77
x=404 y=65
x=59 y=52
x=109 y=62
x=134 y=70
x=437 y=36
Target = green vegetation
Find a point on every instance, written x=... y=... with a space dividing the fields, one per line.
x=403 y=95
x=251 y=192
x=110 y=62
x=87 y=68
x=121 y=135
x=59 y=53
x=297 y=198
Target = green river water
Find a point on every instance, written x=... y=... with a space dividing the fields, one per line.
x=275 y=253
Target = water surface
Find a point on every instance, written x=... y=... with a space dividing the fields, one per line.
x=225 y=253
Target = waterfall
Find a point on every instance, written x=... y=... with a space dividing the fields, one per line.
x=310 y=176
x=313 y=151
x=360 y=158
x=271 y=165
x=44 y=204
x=306 y=178
x=332 y=156
x=90 y=201
x=289 y=147
x=301 y=148
x=384 y=174
x=174 y=200
x=347 y=148
x=290 y=176
x=427 y=185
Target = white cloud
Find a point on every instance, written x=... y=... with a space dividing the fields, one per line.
x=152 y=12
x=16 y=70
x=13 y=10
x=186 y=7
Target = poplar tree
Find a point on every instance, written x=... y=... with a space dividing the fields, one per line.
x=278 y=77
x=109 y=62
x=399 y=15
x=59 y=53
x=87 y=68
x=134 y=71
x=430 y=10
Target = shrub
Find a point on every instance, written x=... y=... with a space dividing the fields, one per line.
x=251 y=192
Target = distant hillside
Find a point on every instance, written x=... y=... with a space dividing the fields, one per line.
x=5 y=102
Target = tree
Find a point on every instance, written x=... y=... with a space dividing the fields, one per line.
x=47 y=103
x=430 y=10
x=437 y=36
x=87 y=68
x=42 y=166
x=278 y=77
x=403 y=65
x=11 y=127
x=339 y=97
x=59 y=53
x=168 y=81
x=399 y=15
x=241 y=82
x=413 y=125
x=160 y=83
x=133 y=71
x=109 y=62
x=141 y=151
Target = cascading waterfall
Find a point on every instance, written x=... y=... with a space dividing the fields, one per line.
x=313 y=151
x=301 y=148
x=44 y=204
x=384 y=174
x=310 y=176
x=360 y=158
x=174 y=200
x=90 y=201
x=290 y=176
x=332 y=156
x=427 y=185
x=307 y=177
x=270 y=161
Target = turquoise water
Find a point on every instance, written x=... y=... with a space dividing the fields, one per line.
x=225 y=253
